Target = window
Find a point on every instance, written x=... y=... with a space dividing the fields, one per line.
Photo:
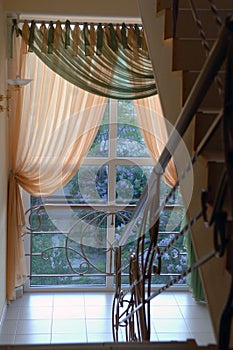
x=74 y=232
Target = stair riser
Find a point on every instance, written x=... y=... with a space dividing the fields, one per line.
x=200 y=4
x=189 y=55
x=187 y=28
x=212 y=100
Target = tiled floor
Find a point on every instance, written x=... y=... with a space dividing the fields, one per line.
x=45 y=318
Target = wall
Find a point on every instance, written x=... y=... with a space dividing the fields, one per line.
x=100 y=8
x=3 y=163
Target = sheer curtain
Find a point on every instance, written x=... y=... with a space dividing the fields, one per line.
x=153 y=126
x=52 y=125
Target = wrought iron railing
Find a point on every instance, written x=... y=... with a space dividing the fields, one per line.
x=84 y=252
x=131 y=306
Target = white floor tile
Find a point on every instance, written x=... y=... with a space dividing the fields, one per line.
x=59 y=338
x=99 y=338
x=103 y=311
x=68 y=299
x=180 y=336
x=194 y=311
x=170 y=326
x=199 y=325
x=32 y=339
x=184 y=298
x=9 y=327
x=93 y=299
x=69 y=326
x=39 y=300
x=204 y=338
x=34 y=327
x=164 y=299
x=30 y=313
x=12 y=312
x=99 y=326
x=161 y=311
x=69 y=312
x=7 y=339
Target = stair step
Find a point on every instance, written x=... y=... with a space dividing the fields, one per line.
x=214 y=175
x=203 y=122
x=213 y=151
x=184 y=57
x=211 y=29
x=189 y=344
x=200 y=4
x=212 y=100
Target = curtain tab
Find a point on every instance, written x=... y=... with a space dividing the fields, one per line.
x=50 y=37
x=138 y=35
x=132 y=41
x=113 y=38
x=25 y=36
x=75 y=39
x=44 y=33
x=107 y=33
x=124 y=36
x=144 y=45
x=31 y=37
x=14 y=29
x=118 y=32
x=67 y=33
x=99 y=43
x=57 y=35
x=92 y=38
x=86 y=39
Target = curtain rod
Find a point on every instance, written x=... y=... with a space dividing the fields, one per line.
x=75 y=19
x=81 y=23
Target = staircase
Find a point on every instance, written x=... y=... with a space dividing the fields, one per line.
x=177 y=60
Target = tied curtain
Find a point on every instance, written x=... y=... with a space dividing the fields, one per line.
x=52 y=125
x=104 y=59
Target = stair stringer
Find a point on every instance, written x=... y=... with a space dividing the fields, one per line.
x=214 y=276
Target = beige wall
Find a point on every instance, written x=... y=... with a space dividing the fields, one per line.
x=3 y=162
x=120 y=8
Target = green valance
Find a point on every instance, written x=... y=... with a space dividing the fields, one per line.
x=110 y=60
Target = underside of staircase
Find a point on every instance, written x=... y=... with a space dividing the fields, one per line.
x=178 y=56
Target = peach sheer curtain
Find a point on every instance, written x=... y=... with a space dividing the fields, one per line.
x=52 y=125
x=153 y=126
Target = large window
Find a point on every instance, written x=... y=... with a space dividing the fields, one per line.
x=74 y=232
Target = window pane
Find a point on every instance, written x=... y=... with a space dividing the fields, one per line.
x=130 y=142
x=89 y=185
x=100 y=146
x=130 y=182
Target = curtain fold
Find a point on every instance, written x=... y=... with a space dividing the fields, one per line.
x=104 y=59
x=153 y=126
x=193 y=279
x=52 y=126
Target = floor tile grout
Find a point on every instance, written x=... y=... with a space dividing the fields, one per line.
x=177 y=326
